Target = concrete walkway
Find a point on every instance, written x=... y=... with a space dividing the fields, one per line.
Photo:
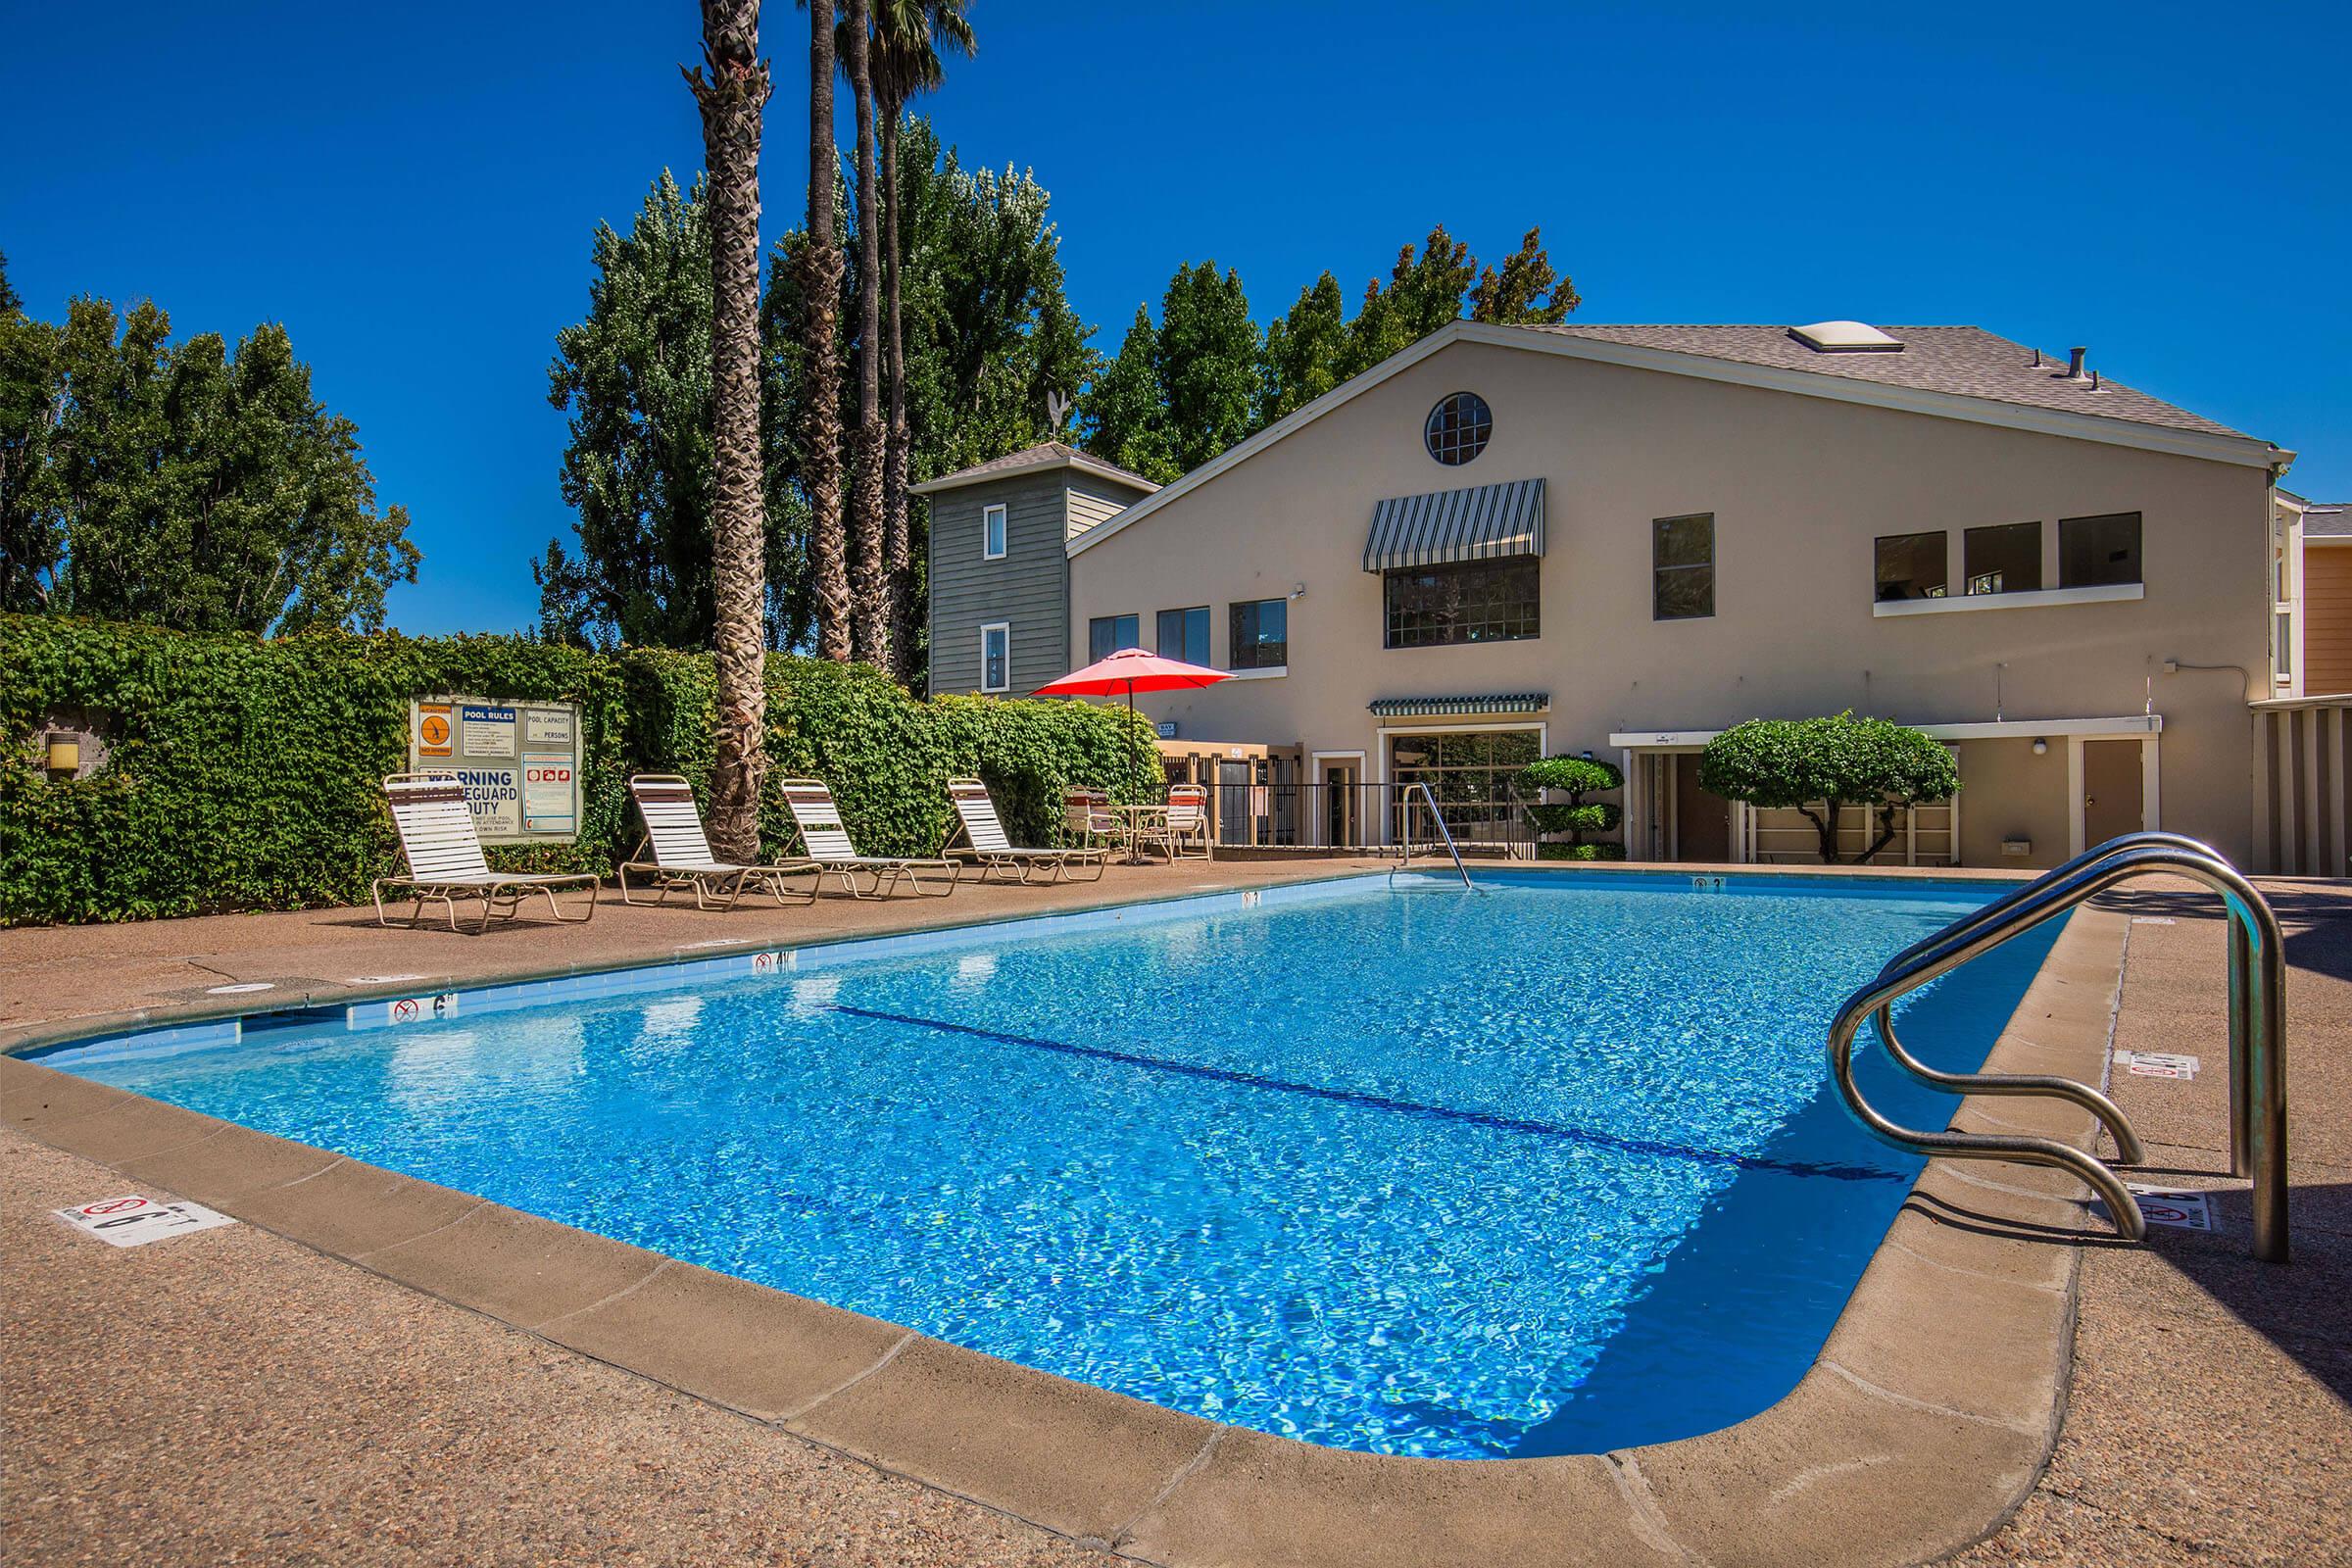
x=235 y=1397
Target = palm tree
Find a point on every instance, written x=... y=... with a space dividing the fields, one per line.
x=731 y=98
x=869 y=619
x=908 y=36
x=821 y=344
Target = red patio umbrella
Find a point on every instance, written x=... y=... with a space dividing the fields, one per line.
x=1130 y=670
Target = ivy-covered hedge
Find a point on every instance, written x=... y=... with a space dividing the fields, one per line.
x=246 y=774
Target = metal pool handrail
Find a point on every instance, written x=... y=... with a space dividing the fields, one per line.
x=1421 y=787
x=2128 y=1148
x=2262 y=1029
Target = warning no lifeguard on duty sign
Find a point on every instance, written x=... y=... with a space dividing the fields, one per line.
x=134 y=1221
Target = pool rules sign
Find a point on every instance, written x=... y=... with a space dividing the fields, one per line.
x=518 y=759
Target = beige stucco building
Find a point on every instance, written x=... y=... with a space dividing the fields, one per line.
x=1514 y=541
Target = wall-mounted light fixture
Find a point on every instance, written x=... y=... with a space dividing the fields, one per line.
x=65 y=753
x=2042 y=748
x=1297 y=591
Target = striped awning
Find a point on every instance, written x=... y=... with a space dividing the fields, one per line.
x=1440 y=706
x=1481 y=524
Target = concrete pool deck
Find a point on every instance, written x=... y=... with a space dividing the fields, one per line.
x=1935 y=1404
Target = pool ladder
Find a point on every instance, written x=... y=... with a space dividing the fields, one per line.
x=2257 y=1031
x=1405 y=839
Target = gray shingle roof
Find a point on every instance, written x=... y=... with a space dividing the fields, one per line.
x=2327 y=519
x=1962 y=360
x=1046 y=453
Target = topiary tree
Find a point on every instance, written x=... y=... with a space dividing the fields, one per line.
x=1575 y=777
x=1829 y=764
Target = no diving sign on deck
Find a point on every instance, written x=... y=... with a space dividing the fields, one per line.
x=136 y=1220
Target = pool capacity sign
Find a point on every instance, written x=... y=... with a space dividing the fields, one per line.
x=519 y=762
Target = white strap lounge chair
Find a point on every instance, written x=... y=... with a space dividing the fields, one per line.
x=1185 y=822
x=681 y=858
x=828 y=845
x=987 y=846
x=445 y=859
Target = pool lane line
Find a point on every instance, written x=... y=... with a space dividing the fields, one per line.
x=1372 y=1101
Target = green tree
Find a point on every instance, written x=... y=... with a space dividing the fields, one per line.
x=731 y=98
x=635 y=377
x=1821 y=766
x=1526 y=292
x=1304 y=351
x=909 y=38
x=1125 y=411
x=1206 y=355
x=1575 y=777
x=183 y=484
x=1424 y=292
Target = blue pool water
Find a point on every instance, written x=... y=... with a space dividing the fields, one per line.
x=1547 y=1170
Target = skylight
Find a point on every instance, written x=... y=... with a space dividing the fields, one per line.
x=1846 y=337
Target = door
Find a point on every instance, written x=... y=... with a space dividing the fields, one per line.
x=1702 y=819
x=2112 y=804
x=1339 y=805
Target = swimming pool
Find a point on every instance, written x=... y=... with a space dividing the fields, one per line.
x=1401 y=1169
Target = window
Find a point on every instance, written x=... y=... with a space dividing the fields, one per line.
x=1106 y=635
x=1465 y=766
x=1184 y=634
x=992 y=533
x=1681 y=567
x=1261 y=634
x=1911 y=566
x=995 y=658
x=2094 y=552
x=2005 y=558
x=1457 y=428
x=1470 y=602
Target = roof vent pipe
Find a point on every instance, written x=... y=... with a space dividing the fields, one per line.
x=2074 y=362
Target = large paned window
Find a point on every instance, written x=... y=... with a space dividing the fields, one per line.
x=1469 y=602
x=2098 y=552
x=1681 y=567
x=2005 y=558
x=1184 y=634
x=1911 y=566
x=1106 y=635
x=1261 y=634
x=1465 y=766
x=995 y=658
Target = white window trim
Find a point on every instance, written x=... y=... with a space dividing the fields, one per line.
x=1262 y=672
x=1005 y=626
x=2101 y=594
x=993 y=510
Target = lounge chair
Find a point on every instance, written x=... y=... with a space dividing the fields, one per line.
x=1185 y=821
x=828 y=845
x=682 y=854
x=445 y=859
x=987 y=846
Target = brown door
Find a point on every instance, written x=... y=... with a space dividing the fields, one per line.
x=2111 y=799
x=1702 y=821
x=1339 y=805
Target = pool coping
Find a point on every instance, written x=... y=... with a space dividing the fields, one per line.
x=1927 y=1419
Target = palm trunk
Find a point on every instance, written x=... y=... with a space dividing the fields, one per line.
x=731 y=100
x=869 y=588
x=828 y=570
x=896 y=548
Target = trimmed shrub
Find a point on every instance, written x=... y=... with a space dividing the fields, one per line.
x=246 y=774
x=1821 y=766
x=1575 y=777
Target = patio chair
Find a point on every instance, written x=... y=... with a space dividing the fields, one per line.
x=1185 y=821
x=1086 y=816
x=444 y=855
x=987 y=846
x=828 y=845
x=682 y=854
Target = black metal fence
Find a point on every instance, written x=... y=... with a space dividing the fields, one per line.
x=1389 y=818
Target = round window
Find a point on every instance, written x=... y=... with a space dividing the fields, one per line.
x=1458 y=428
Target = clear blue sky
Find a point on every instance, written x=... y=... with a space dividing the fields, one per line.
x=410 y=188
